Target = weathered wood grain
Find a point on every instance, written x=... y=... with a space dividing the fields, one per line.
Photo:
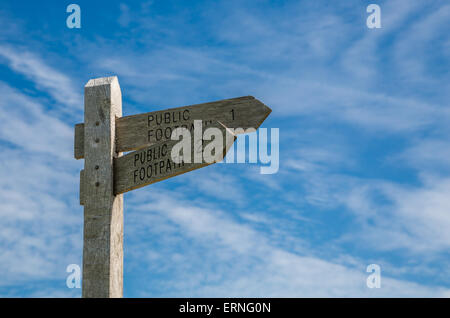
x=79 y=141
x=103 y=211
x=82 y=187
x=155 y=163
x=142 y=130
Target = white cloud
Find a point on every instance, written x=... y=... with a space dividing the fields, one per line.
x=427 y=155
x=412 y=55
x=40 y=231
x=237 y=261
x=303 y=65
x=218 y=185
x=412 y=218
x=45 y=77
x=25 y=123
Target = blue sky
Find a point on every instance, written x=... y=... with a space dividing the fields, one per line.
x=364 y=146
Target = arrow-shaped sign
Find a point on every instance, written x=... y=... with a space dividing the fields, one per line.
x=162 y=160
x=142 y=130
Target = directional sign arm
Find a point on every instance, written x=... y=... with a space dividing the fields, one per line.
x=142 y=130
x=138 y=131
x=155 y=163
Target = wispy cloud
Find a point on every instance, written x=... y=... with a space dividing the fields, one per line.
x=47 y=78
x=40 y=234
x=364 y=131
x=239 y=261
x=412 y=218
x=25 y=123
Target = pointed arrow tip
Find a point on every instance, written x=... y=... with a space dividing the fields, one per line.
x=266 y=110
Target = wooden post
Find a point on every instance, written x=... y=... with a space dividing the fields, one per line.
x=103 y=211
x=99 y=141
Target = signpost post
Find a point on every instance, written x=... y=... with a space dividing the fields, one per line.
x=103 y=210
x=102 y=138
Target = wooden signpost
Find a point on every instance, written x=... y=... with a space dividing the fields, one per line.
x=102 y=138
